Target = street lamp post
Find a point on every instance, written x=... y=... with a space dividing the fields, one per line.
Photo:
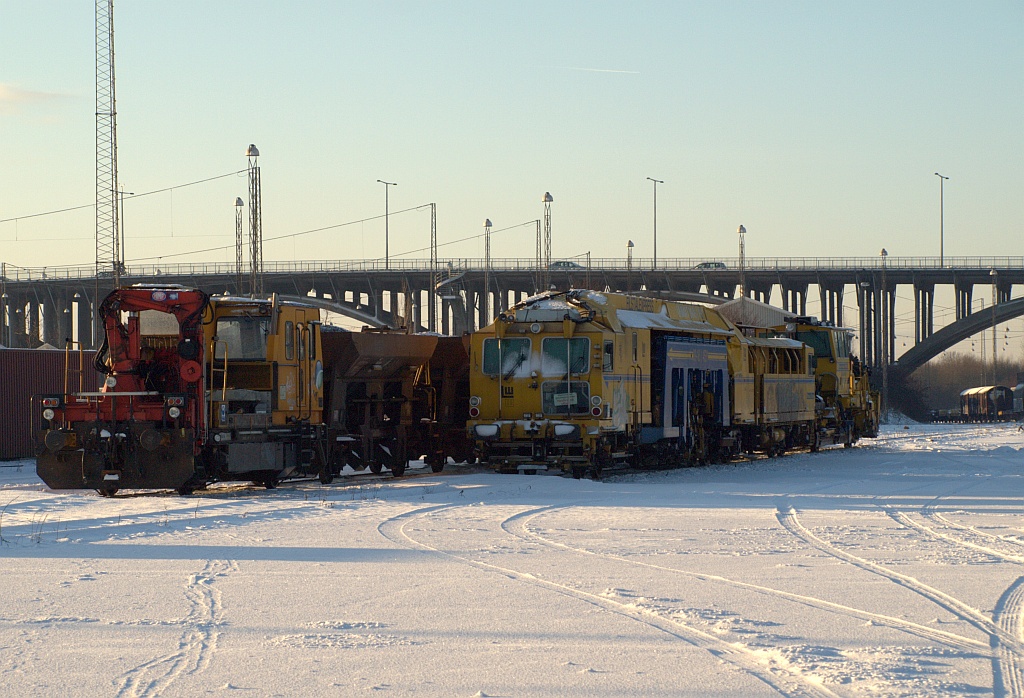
x=942 y=219
x=885 y=339
x=387 y=185
x=742 y=232
x=656 y=183
x=120 y=218
x=485 y=304
x=995 y=344
x=629 y=267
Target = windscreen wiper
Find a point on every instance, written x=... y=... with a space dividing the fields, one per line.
x=515 y=367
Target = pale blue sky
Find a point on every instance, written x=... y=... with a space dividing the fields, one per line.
x=817 y=125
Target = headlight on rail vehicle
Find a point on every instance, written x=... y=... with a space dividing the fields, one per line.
x=474 y=401
x=173 y=412
x=48 y=414
x=567 y=431
x=487 y=431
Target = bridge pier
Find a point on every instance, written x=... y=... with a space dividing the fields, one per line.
x=924 y=311
x=866 y=305
x=1003 y=292
x=794 y=298
x=83 y=313
x=885 y=325
x=7 y=320
x=19 y=337
x=34 y=307
x=964 y=291
x=51 y=323
x=759 y=292
x=831 y=303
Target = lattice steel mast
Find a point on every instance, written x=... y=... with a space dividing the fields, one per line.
x=547 y=239
x=255 y=224
x=239 y=246
x=108 y=248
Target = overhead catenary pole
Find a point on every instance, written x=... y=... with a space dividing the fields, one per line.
x=435 y=276
x=539 y=276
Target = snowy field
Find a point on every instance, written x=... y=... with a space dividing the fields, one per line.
x=894 y=568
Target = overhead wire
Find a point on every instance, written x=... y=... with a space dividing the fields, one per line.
x=127 y=196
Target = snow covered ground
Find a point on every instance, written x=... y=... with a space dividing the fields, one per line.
x=894 y=568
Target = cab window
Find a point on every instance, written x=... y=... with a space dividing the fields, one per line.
x=507 y=357
x=819 y=341
x=245 y=337
x=560 y=356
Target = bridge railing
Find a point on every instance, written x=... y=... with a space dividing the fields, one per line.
x=645 y=265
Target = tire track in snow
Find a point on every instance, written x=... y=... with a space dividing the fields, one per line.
x=781 y=679
x=904 y=519
x=929 y=513
x=1004 y=633
x=518 y=525
x=1008 y=677
x=788 y=519
x=197 y=643
x=1007 y=662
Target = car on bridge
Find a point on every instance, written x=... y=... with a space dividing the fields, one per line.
x=711 y=265
x=564 y=265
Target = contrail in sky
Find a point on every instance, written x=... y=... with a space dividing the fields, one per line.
x=604 y=70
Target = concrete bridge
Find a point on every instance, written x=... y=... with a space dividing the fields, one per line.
x=52 y=304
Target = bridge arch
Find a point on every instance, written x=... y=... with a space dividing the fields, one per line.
x=957 y=332
x=342 y=309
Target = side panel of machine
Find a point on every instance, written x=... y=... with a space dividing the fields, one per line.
x=28 y=372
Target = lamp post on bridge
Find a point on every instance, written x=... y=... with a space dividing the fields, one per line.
x=387 y=188
x=629 y=267
x=995 y=345
x=885 y=339
x=742 y=232
x=120 y=219
x=656 y=183
x=942 y=219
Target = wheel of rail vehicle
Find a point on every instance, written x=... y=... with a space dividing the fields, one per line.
x=578 y=471
x=270 y=482
x=186 y=490
x=376 y=467
x=107 y=492
x=436 y=462
x=326 y=476
x=398 y=468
